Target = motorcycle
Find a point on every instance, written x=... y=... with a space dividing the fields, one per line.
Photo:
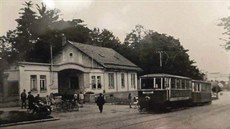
x=40 y=109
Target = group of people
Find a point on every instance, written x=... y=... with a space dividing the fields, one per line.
x=100 y=101
x=79 y=97
x=31 y=100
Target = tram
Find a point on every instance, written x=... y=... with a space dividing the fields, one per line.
x=201 y=92
x=165 y=91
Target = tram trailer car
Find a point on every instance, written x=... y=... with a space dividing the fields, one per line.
x=201 y=92
x=163 y=91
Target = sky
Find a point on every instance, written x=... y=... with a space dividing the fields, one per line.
x=193 y=22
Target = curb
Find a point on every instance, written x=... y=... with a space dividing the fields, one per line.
x=29 y=122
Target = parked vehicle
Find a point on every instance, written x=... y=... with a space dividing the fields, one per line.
x=40 y=109
x=165 y=91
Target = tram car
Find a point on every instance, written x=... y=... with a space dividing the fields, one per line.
x=165 y=91
x=201 y=92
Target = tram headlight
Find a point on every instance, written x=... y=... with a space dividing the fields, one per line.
x=147 y=98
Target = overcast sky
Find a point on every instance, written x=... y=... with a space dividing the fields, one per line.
x=193 y=22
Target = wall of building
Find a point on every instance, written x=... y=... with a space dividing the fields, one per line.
x=11 y=85
x=117 y=82
x=25 y=79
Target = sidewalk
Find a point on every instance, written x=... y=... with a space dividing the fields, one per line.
x=91 y=110
x=87 y=111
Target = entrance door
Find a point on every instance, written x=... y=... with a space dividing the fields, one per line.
x=74 y=84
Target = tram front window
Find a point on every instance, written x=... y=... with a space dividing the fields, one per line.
x=158 y=83
x=146 y=83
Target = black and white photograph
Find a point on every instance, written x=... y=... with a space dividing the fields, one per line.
x=114 y=64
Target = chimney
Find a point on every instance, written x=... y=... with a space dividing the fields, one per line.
x=63 y=39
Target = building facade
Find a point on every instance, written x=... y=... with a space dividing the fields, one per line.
x=78 y=67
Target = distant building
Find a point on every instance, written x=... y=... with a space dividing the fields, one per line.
x=80 y=67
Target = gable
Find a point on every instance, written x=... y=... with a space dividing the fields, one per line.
x=72 y=55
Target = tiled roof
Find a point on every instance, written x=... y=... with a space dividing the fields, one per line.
x=107 y=57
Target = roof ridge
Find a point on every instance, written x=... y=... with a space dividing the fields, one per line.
x=90 y=45
x=103 y=55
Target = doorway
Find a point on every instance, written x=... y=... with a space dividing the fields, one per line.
x=68 y=81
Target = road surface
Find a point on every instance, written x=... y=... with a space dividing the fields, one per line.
x=214 y=116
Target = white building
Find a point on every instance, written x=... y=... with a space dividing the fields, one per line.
x=78 y=67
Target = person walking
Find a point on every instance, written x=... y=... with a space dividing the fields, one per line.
x=23 y=99
x=130 y=100
x=100 y=102
x=30 y=98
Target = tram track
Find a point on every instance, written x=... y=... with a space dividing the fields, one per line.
x=135 y=119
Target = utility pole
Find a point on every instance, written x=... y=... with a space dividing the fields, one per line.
x=160 y=52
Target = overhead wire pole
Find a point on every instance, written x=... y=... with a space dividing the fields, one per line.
x=51 y=65
x=160 y=53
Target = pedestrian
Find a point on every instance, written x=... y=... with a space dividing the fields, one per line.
x=52 y=99
x=100 y=102
x=23 y=99
x=130 y=100
x=135 y=102
x=37 y=99
x=48 y=100
x=75 y=96
x=81 y=99
x=30 y=98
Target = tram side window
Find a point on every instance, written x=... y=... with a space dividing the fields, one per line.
x=166 y=83
x=204 y=87
x=188 y=84
x=178 y=83
x=183 y=84
x=147 y=83
x=208 y=88
x=173 y=84
x=193 y=86
x=198 y=87
x=157 y=83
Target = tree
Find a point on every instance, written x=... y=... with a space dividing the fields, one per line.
x=104 y=38
x=45 y=35
x=225 y=22
x=24 y=37
x=8 y=52
x=144 y=49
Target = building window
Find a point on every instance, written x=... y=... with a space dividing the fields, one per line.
x=111 y=81
x=93 y=82
x=33 y=82
x=133 y=85
x=96 y=82
x=70 y=54
x=122 y=80
x=99 y=82
x=43 y=82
